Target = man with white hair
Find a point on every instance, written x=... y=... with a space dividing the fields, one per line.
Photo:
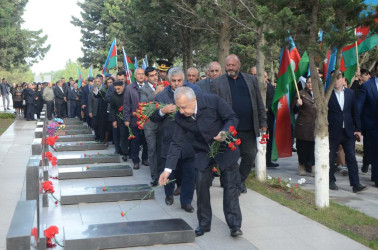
x=214 y=70
x=206 y=117
x=192 y=75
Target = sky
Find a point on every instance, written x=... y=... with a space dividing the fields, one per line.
x=53 y=17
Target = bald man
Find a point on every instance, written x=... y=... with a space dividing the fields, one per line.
x=214 y=71
x=241 y=91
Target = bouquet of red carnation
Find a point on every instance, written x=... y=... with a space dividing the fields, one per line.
x=131 y=135
x=51 y=141
x=163 y=83
x=50 y=235
x=230 y=141
x=145 y=110
x=49 y=189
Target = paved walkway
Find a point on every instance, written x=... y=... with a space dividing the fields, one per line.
x=266 y=224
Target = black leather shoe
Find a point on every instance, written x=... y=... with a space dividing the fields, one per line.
x=236 y=232
x=365 y=169
x=243 y=188
x=136 y=166
x=154 y=183
x=333 y=186
x=188 y=208
x=358 y=188
x=294 y=149
x=201 y=231
x=124 y=158
x=376 y=184
x=272 y=165
x=145 y=163
x=177 y=191
x=169 y=200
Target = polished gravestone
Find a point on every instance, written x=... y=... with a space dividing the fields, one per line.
x=74 y=159
x=79 y=146
x=128 y=234
x=69 y=196
x=77 y=131
x=76 y=138
x=71 y=121
x=75 y=126
x=23 y=225
x=91 y=171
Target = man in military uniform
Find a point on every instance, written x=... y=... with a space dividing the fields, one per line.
x=163 y=67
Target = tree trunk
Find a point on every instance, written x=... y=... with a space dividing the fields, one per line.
x=260 y=162
x=272 y=76
x=223 y=42
x=189 y=50
x=321 y=122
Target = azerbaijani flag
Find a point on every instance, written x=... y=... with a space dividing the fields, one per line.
x=135 y=62
x=329 y=65
x=129 y=67
x=144 y=65
x=90 y=71
x=111 y=60
x=80 y=80
x=366 y=42
x=285 y=91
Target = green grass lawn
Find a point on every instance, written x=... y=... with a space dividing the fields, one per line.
x=349 y=222
x=6 y=119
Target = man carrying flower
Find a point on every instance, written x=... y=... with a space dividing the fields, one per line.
x=207 y=118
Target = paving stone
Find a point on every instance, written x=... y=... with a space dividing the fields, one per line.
x=79 y=146
x=69 y=196
x=94 y=172
x=87 y=159
x=76 y=138
x=128 y=234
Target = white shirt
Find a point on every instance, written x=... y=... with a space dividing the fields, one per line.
x=61 y=89
x=193 y=117
x=340 y=99
x=140 y=85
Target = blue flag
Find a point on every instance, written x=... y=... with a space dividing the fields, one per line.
x=144 y=66
x=135 y=62
x=90 y=71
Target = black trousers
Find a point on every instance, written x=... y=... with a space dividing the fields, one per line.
x=306 y=152
x=99 y=126
x=269 y=145
x=187 y=175
x=231 y=208
x=59 y=109
x=135 y=145
x=348 y=144
x=247 y=153
x=50 y=109
x=372 y=136
x=30 y=107
x=366 y=145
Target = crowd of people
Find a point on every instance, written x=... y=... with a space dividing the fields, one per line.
x=207 y=106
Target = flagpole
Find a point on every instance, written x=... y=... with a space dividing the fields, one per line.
x=295 y=82
x=358 y=65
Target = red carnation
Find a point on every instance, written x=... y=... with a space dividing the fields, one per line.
x=214 y=170
x=121 y=108
x=157 y=105
x=237 y=142
x=233 y=148
x=234 y=133
x=231 y=129
x=50 y=233
x=231 y=145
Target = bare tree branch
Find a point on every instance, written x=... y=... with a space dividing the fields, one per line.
x=248 y=9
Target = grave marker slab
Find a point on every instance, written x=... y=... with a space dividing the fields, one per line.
x=76 y=138
x=69 y=196
x=79 y=146
x=94 y=172
x=87 y=159
x=128 y=234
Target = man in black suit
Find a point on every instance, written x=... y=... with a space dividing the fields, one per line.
x=60 y=99
x=30 y=99
x=242 y=93
x=215 y=70
x=87 y=89
x=185 y=166
x=368 y=108
x=206 y=117
x=343 y=126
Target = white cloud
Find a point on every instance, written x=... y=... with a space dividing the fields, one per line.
x=54 y=18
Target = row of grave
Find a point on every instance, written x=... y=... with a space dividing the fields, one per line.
x=77 y=137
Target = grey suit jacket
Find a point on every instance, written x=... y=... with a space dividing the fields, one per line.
x=147 y=95
x=4 y=89
x=92 y=104
x=221 y=87
x=205 y=85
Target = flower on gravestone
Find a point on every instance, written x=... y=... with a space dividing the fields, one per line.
x=123 y=214
x=288 y=185
x=81 y=143
x=85 y=155
x=49 y=189
x=98 y=153
x=104 y=189
x=88 y=167
x=296 y=185
x=34 y=233
x=279 y=179
x=269 y=177
x=50 y=235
